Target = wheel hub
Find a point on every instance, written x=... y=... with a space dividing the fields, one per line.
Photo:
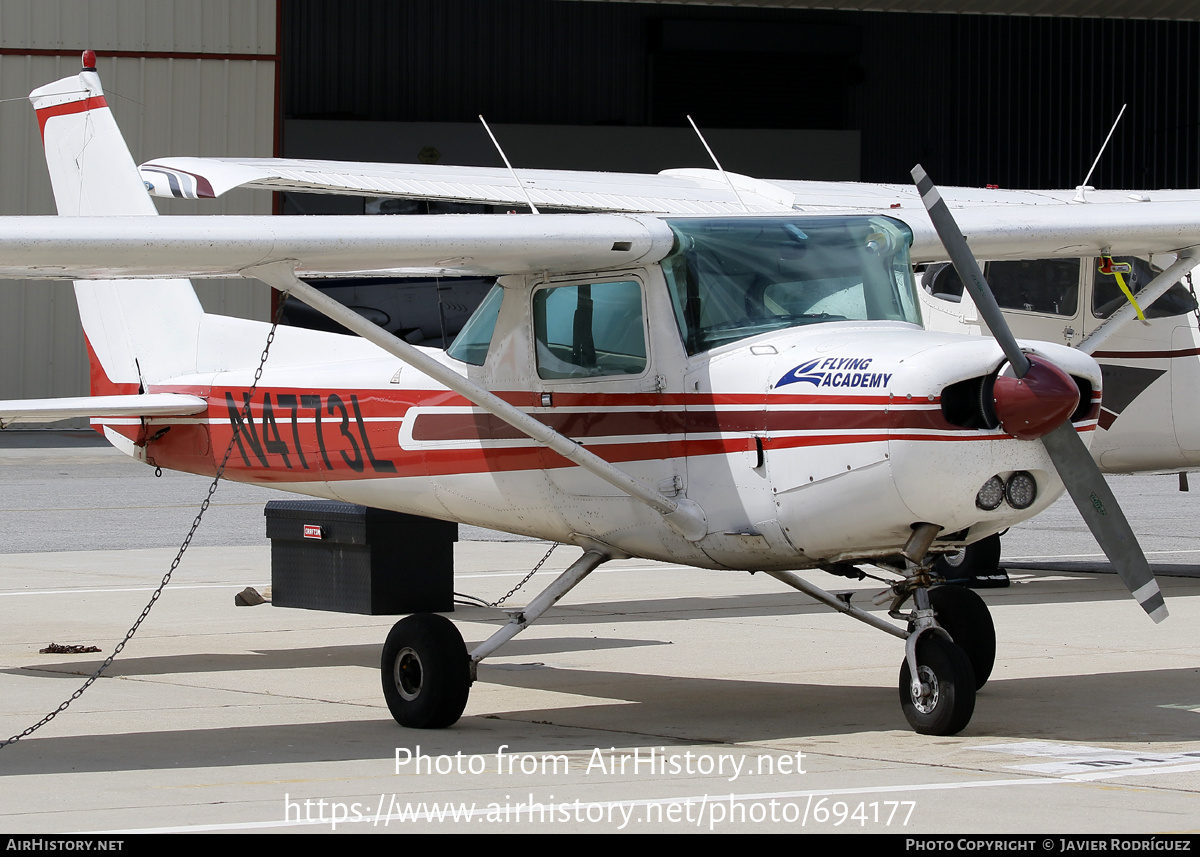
x=926 y=701
x=408 y=674
x=955 y=558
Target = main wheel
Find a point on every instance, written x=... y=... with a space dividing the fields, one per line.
x=947 y=706
x=426 y=672
x=966 y=618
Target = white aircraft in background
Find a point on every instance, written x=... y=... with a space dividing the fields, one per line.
x=704 y=370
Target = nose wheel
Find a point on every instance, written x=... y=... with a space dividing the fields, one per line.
x=942 y=699
x=426 y=672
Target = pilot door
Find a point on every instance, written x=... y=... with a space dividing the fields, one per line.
x=600 y=383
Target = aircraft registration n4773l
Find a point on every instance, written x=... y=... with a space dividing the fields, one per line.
x=701 y=369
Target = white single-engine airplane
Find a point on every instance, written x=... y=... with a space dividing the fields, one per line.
x=702 y=371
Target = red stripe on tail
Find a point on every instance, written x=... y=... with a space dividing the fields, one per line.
x=91 y=103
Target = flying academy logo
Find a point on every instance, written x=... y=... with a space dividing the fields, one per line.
x=837 y=372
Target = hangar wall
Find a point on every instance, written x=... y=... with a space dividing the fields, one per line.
x=1018 y=100
x=183 y=77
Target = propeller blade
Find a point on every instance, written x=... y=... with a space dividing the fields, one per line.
x=1071 y=458
x=968 y=270
x=1104 y=517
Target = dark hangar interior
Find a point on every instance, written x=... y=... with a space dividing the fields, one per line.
x=1015 y=100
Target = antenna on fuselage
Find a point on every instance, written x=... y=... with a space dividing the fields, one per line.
x=1079 y=191
x=504 y=157
x=720 y=169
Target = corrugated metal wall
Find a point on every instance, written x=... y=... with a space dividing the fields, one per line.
x=1027 y=102
x=189 y=77
x=516 y=61
x=1018 y=101
x=175 y=26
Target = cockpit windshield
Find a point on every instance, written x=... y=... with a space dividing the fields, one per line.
x=732 y=278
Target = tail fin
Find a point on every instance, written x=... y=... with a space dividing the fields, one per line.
x=139 y=332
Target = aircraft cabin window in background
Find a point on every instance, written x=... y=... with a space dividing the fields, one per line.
x=733 y=278
x=942 y=281
x=589 y=330
x=472 y=343
x=1107 y=296
x=1036 y=285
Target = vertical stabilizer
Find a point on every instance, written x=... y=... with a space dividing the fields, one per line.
x=138 y=331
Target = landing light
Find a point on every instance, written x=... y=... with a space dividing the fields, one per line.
x=1021 y=490
x=991 y=495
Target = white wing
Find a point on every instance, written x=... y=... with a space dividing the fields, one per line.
x=480 y=244
x=120 y=247
x=672 y=192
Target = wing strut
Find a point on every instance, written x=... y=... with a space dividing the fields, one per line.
x=684 y=515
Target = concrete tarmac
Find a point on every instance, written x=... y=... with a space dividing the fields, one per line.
x=652 y=698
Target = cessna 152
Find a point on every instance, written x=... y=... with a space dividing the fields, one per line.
x=704 y=373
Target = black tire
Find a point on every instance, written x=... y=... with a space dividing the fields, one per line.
x=947 y=670
x=979 y=559
x=966 y=618
x=426 y=672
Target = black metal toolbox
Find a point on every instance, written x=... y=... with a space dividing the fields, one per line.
x=344 y=558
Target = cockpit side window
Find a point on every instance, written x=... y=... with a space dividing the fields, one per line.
x=589 y=330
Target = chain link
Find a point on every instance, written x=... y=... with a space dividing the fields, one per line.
x=525 y=579
x=187 y=540
x=1195 y=303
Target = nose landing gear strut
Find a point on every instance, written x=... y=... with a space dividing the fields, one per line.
x=949 y=639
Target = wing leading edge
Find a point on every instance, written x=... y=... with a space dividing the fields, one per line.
x=88 y=248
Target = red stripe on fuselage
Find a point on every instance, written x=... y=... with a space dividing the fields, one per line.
x=430 y=427
x=332 y=435
x=46 y=113
x=1146 y=355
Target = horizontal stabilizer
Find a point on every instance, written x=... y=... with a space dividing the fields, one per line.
x=53 y=410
